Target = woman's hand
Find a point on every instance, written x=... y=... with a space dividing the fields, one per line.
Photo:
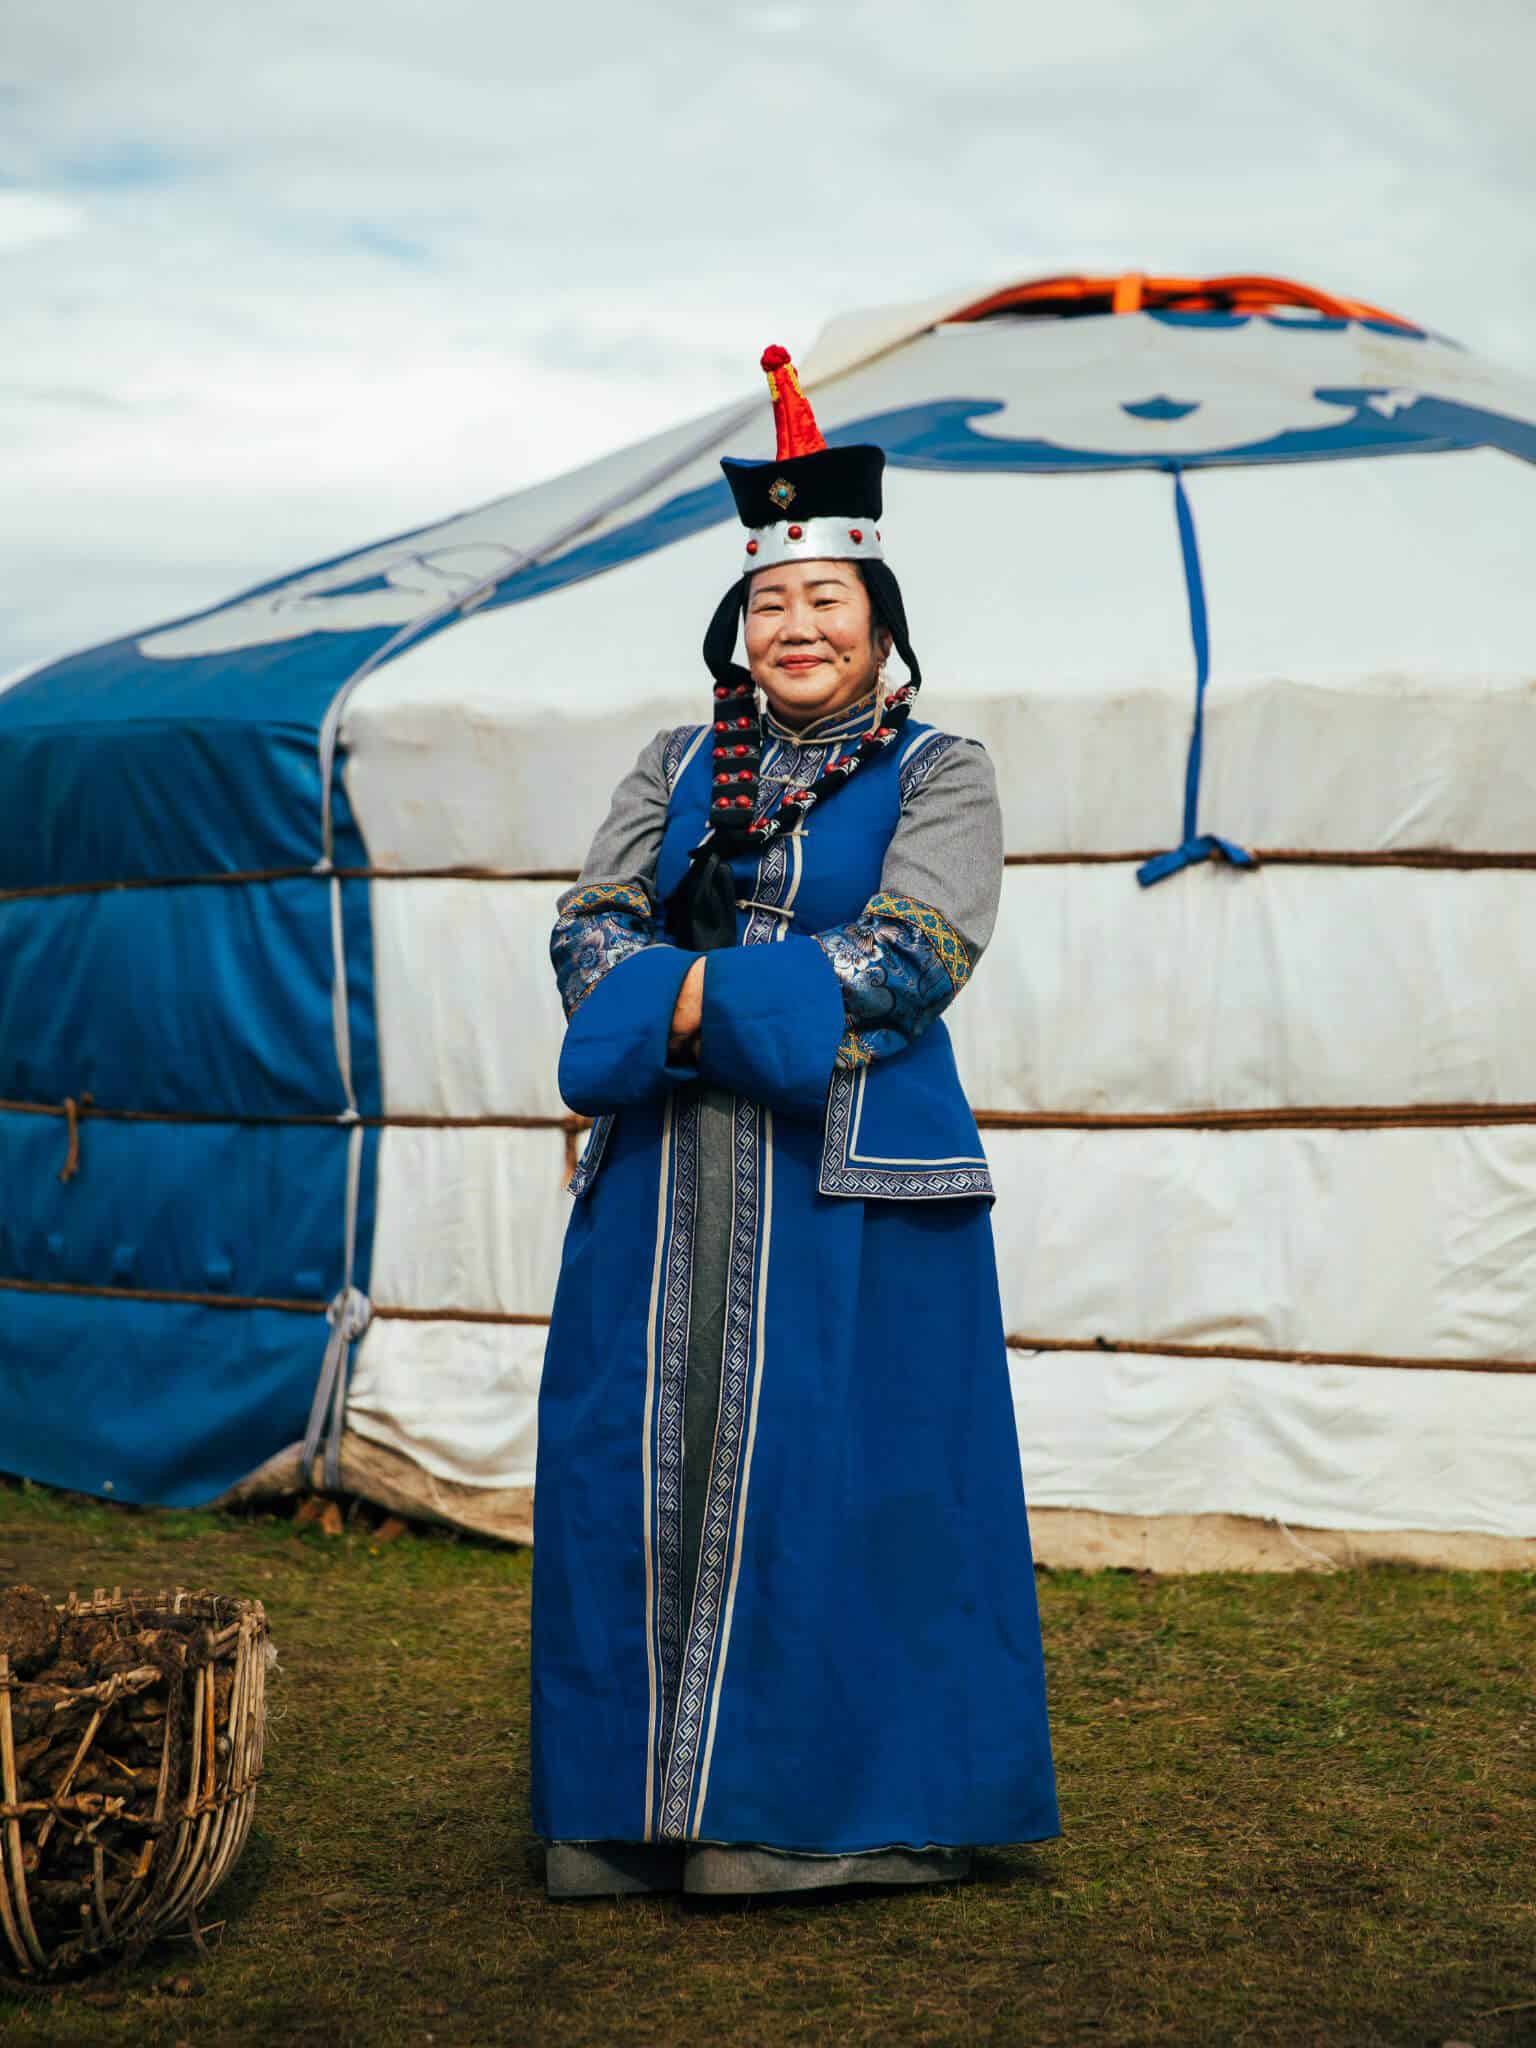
x=687 y=1016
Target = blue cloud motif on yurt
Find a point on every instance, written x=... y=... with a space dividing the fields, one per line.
x=336 y=617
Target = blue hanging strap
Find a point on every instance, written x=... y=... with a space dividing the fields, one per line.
x=1194 y=846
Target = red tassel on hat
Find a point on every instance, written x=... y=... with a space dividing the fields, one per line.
x=792 y=415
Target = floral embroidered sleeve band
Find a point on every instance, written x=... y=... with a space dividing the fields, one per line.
x=598 y=927
x=899 y=964
x=612 y=911
x=904 y=959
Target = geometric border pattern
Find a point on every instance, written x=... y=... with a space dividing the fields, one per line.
x=905 y=1181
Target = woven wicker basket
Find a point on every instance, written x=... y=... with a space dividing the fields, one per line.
x=145 y=1858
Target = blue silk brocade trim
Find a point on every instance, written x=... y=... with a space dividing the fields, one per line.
x=900 y=964
x=597 y=929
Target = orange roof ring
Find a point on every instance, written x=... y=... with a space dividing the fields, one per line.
x=1133 y=292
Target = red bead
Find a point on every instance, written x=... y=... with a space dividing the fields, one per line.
x=797 y=533
x=744 y=803
x=883 y=732
x=738 y=751
x=743 y=724
x=722 y=725
x=856 y=534
x=751 y=547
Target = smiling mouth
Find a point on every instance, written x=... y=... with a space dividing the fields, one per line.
x=802 y=661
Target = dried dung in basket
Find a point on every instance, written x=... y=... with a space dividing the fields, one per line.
x=131 y=1731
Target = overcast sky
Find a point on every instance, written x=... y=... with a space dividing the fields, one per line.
x=279 y=279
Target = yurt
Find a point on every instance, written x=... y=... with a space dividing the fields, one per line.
x=1233 y=579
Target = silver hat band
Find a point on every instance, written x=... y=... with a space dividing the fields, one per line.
x=812 y=540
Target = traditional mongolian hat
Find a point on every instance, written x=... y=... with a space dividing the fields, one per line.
x=810 y=503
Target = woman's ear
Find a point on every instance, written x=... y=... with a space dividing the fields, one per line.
x=884 y=642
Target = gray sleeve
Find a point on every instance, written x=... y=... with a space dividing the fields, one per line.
x=947 y=849
x=629 y=838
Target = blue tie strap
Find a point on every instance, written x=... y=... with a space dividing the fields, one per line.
x=1195 y=845
x=1207 y=847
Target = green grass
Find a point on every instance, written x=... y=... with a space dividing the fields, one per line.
x=1298 y=1810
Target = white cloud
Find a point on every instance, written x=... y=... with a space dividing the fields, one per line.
x=27 y=218
x=279 y=281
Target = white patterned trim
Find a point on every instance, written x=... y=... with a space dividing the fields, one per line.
x=704 y=1649
x=739 y=1544
x=591 y=1155
x=648 y=1518
x=920 y=760
x=683 y=742
x=844 y=1171
x=666 y=1509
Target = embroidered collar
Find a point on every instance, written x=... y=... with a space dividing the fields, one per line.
x=849 y=722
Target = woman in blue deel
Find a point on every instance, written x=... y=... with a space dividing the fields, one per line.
x=784 y=1624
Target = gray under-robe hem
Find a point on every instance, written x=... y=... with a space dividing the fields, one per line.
x=584 y=1870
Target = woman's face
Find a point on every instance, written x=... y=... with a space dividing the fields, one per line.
x=810 y=640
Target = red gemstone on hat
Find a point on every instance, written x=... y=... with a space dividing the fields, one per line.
x=856 y=534
x=751 y=547
x=797 y=533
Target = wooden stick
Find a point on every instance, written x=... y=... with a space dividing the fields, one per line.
x=1255 y=1354
x=7 y=1754
x=103 y=1911
x=61 y=1790
x=13 y=1830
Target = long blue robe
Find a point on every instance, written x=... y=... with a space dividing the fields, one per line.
x=856 y=1662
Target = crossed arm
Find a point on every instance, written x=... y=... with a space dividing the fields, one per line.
x=770 y=1021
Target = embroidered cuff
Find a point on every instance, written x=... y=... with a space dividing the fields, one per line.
x=900 y=964
x=597 y=928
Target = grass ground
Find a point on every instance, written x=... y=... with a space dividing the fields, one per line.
x=1298 y=1810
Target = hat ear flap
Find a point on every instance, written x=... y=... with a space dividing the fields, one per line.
x=720 y=638
x=890 y=612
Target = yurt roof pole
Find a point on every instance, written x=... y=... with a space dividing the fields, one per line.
x=856 y=339
x=1132 y=291
x=465 y=601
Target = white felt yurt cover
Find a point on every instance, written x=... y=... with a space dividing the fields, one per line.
x=1211 y=577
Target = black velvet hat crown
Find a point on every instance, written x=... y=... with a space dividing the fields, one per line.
x=829 y=483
